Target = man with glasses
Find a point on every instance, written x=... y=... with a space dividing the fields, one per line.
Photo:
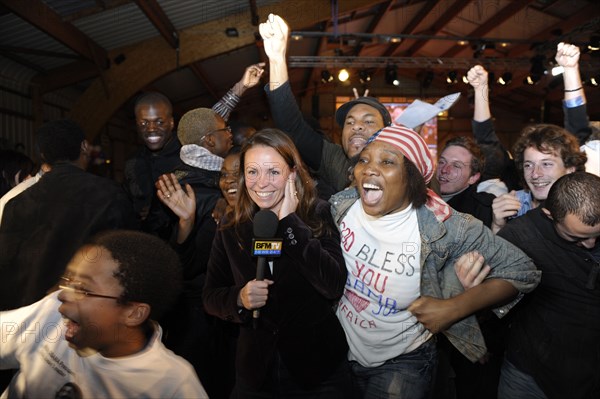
x=160 y=154
x=458 y=171
x=205 y=141
x=96 y=336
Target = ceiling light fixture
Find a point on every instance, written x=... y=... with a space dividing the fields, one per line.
x=427 y=79
x=505 y=79
x=594 y=44
x=343 y=75
x=232 y=32
x=326 y=76
x=452 y=77
x=364 y=76
x=391 y=75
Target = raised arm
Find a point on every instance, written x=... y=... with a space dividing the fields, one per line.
x=285 y=111
x=230 y=100
x=574 y=102
x=275 y=36
x=478 y=78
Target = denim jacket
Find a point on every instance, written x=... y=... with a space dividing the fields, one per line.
x=442 y=243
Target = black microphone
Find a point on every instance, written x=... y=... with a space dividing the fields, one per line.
x=263 y=244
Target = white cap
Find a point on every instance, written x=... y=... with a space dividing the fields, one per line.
x=420 y=112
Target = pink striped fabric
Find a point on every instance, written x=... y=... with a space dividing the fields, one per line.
x=415 y=149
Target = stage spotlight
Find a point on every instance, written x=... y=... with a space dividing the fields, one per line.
x=594 y=44
x=326 y=77
x=505 y=79
x=364 y=77
x=391 y=75
x=427 y=79
x=537 y=68
x=452 y=77
x=343 y=75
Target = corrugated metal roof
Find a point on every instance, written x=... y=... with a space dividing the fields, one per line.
x=17 y=33
x=13 y=75
x=117 y=27
x=186 y=13
x=68 y=7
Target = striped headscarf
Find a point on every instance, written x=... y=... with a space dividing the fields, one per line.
x=414 y=148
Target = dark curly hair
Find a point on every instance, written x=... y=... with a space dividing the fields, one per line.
x=548 y=139
x=60 y=141
x=149 y=269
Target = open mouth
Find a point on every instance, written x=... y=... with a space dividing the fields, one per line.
x=153 y=139
x=232 y=191
x=371 y=193
x=539 y=187
x=264 y=194
x=357 y=141
x=72 y=327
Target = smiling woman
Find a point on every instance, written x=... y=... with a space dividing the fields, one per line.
x=400 y=242
x=298 y=344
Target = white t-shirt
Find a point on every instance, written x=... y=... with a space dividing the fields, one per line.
x=384 y=274
x=32 y=340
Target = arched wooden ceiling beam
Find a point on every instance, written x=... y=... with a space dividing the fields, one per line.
x=150 y=59
x=48 y=21
x=496 y=20
x=199 y=73
x=160 y=20
x=382 y=9
x=412 y=25
x=437 y=26
x=579 y=18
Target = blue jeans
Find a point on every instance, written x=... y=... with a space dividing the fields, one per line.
x=515 y=384
x=408 y=376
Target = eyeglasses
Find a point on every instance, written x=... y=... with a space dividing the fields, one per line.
x=225 y=129
x=78 y=292
x=455 y=166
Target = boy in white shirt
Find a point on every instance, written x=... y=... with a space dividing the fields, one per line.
x=106 y=345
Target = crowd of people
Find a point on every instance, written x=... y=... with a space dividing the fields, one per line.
x=387 y=273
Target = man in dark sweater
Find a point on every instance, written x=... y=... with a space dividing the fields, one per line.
x=43 y=226
x=554 y=341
